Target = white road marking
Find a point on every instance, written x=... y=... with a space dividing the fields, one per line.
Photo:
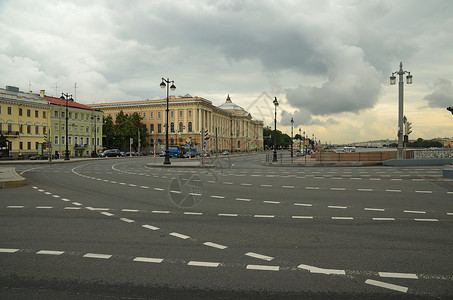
x=398 y=275
x=302 y=217
x=338 y=189
x=179 y=235
x=385 y=285
x=383 y=219
x=49 y=252
x=106 y=214
x=259 y=256
x=76 y=203
x=15 y=206
x=393 y=191
x=288 y=186
x=374 y=209
x=226 y=182
x=127 y=220
x=215 y=245
x=271 y=202
x=264 y=216
x=263 y=268
x=317 y=270
x=130 y=184
x=203 y=264
x=95 y=255
x=160 y=212
x=148 y=260
x=365 y=190
x=243 y=199
x=450 y=214
x=72 y=208
x=311 y=188
x=193 y=213
x=65 y=199
x=150 y=227
x=303 y=204
x=227 y=215
x=424 y=192
x=7 y=250
x=376 y=179
x=56 y=196
x=426 y=220
x=246 y=184
x=339 y=207
x=129 y=210
x=44 y=207
x=218 y=197
x=415 y=212
x=175 y=192
x=144 y=187
x=97 y=208
x=158 y=189
x=266 y=185
x=342 y=218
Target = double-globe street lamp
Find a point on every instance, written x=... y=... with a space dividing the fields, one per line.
x=292 y=124
x=275 y=131
x=400 y=72
x=163 y=84
x=66 y=97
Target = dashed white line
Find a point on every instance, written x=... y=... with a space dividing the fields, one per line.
x=393 y=191
x=130 y=210
x=317 y=270
x=150 y=227
x=385 y=285
x=243 y=199
x=160 y=212
x=106 y=214
x=263 y=268
x=414 y=212
x=148 y=260
x=383 y=219
x=7 y=250
x=15 y=206
x=179 y=235
x=215 y=245
x=127 y=220
x=193 y=213
x=374 y=209
x=50 y=252
x=218 y=197
x=426 y=220
x=247 y=184
x=339 y=207
x=398 y=275
x=303 y=204
x=203 y=264
x=311 y=188
x=266 y=185
x=72 y=208
x=271 y=202
x=342 y=218
x=264 y=216
x=259 y=256
x=424 y=192
x=158 y=189
x=365 y=190
x=227 y=215
x=288 y=186
x=44 y=207
x=302 y=217
x=95 y=255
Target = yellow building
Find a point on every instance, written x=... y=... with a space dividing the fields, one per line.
x=24 y=119
x=228 y=126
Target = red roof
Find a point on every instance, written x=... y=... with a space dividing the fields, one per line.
x=58 y=101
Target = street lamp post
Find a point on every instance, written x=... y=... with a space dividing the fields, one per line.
x=400 y=72
x=68 y=98
x=95 y=153
x=292 y=124
x=275 y=131
x=163 y=84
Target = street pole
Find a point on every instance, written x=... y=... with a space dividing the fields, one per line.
x=400 y=72
x=292 y=124
x=165 y=83
x=275 y=159
x=68 y=98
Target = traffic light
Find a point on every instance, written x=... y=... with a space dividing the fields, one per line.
x=45 y=137
x=206 y=135
x=408 y=128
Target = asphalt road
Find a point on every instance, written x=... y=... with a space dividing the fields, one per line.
x=115 y=228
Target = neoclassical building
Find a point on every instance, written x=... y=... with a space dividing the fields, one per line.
x=228 y=126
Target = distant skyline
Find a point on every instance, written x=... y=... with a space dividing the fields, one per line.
x=327 y=62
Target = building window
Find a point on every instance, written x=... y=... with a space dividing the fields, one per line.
x=97 y=141
x=20 y=113
x=29 y=145
x=62 y=127
x=57 y=126
x=172 y=141
x=9 y=110
x=36 y=114
x=190 y=126
x=62 y=115
x=172 y=127
x=44 y=114
x=21 y=146
x=172 y=114
x=159 y=128
x=56 y=140
x=69 y=127
x=180 y=113
x=151 y=115
x=21 y=129
x=70 y=115
x=76 y=116
x=36 y=145
x=158 y=114
x=28 y=113
x=44 y=129
x=69 y=140
x=76 y=140
x=87 y=129
x=144 y=115
x=28 y=129
x=239 y=144
x=76 y=128
x=36 y=130
x=190 y=113
x=180 y=126
x=63 y=140
x=55 y=113
x=151 y=128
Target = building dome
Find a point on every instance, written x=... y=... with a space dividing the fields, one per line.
x=231 y=107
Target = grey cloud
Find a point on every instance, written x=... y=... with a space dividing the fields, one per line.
x=441 y=95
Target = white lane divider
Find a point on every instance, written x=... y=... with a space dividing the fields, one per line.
x=215 y=245
x=385 y=285
x=263 y=268
x=179 y=235
x=96 y=255
x=203 y=264
x=150 y=227
x=50 y=252
x=148 y=260
x=398 y=275
x=259 y=256
x=317 y=270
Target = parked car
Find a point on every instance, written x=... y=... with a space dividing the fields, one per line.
x=225 y=153
x=111 y=153
x=42 y=157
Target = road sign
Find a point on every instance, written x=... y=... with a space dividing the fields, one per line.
x=204 y=144
x=188 y=140
x=183 y=127
x=188 y=145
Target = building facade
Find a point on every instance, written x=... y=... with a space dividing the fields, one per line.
x=84 y=131
x=24 y=121
x=195 y=119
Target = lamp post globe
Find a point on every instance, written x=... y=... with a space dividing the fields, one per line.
x=163 y=84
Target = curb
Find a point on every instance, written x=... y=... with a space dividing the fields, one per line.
x=12 y=179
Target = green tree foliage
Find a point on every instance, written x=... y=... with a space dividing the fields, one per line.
x=117 y=134
x=283 y=140
x=421 y=143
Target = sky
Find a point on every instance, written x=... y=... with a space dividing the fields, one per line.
x=328 y=63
